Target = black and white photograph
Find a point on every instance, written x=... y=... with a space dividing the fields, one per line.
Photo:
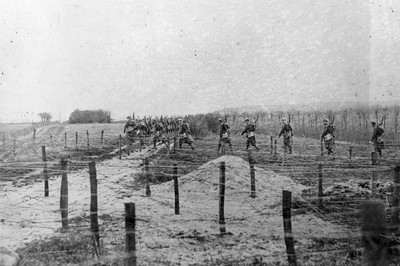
x=199 y=132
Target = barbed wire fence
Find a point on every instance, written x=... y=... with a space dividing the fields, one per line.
x=308 y=169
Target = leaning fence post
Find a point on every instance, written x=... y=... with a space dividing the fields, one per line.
x=64 y=194
x=14 y=146
x=130 y=241
x=373 y=233
x=34 y=136
x=222 y=228
x=119 y=146
x=252 y=180
x=46 y=177
x=174 y=144
x=275 y=146
x=101 y=138
x=176 y=188
x=396 y=197
x=51 y=139
x=287 y=227
x=76 y=140
x=146 y=168
x=320 y=189
x=350 y=152
x=94 y=223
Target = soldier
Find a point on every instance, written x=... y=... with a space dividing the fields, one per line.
x=287 y=133
x=129 y=131
x=327 y=136
x=141 y=130
x=377 y=138
x=184 y=132
x=249 y=130
x=224 y=134
x=158 y=130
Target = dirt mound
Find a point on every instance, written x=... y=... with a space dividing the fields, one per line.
x=204 y=182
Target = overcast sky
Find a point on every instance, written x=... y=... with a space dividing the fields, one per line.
x=179 y=57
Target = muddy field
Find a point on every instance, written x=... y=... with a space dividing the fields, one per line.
x=329 y=236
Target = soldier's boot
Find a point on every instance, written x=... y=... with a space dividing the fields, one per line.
x=290 y=149
x=191 y=146
x=230 y=146
x=219 y=147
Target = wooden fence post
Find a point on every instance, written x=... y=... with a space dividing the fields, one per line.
x=76 y=140
x=373 y=233
x=14 y=147
x=275 y=147
x=146 y=168
x=222 y=228
x=252 y=180
x=101 y=138
x=65 y=140
x=320 y=189
x=287 y=227
x=87 y=134
x=34 y=136
x=176 y=188
x=46 y=177
x=174 y=144
x=168 y=145
x=94 y=223
x=322 y=147
x=119 y=146
x=272 y=144
x=373 y=158
x=350 y=152
x=64 y=194
x=130 y=240
x=396 y=197
x=51 y=139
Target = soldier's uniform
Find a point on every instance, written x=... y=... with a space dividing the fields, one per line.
x=249 y=130
x=129 y=131
x=158 y=130
x=185 y=136
x=287 y=133
x=224 y=134
x=141 y=130
x=377 y=138
x=328 y=137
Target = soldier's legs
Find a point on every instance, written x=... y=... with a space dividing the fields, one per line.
x=254 y=143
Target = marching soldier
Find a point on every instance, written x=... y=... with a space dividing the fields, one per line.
x=184 y=132
x=249 y=130
x=377 y=139
x=327 y=136
x=287 y=133
x=129 y=131
x=158 y=130
x=224 y=134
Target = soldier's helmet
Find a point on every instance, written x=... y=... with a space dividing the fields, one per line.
x=219 y=119
x=373 y=123
x=128 y=117
x=325 y=121
x=284 y=120
x=247 y=119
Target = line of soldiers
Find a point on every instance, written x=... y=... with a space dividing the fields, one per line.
x=159 y=126
x=141 y=128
